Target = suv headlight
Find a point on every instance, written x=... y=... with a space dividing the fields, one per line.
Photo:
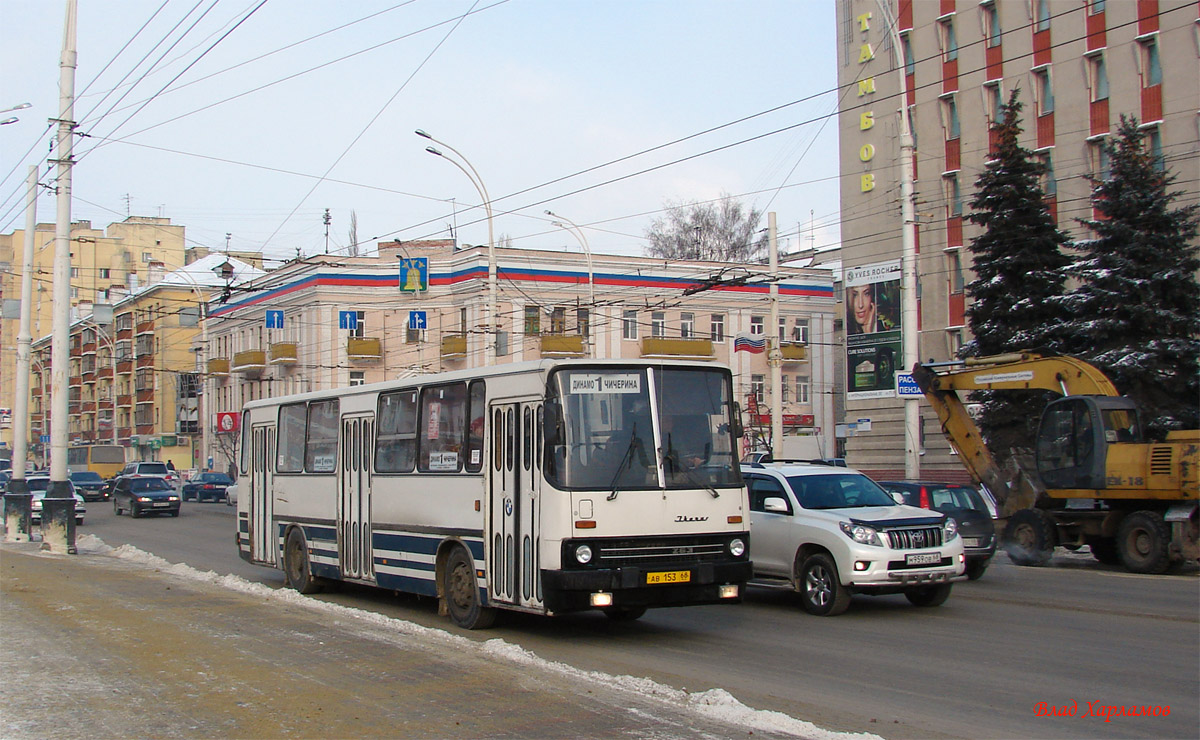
x=949 y=529
x=861 y=533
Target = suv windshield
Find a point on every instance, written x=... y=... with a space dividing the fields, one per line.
x=613 y=427
x=838 y=491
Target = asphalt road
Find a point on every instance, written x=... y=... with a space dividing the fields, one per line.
x=1001 y=652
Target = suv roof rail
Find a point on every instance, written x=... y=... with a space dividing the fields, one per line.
x=791 y=461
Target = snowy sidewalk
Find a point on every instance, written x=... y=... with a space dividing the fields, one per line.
x=117 y=643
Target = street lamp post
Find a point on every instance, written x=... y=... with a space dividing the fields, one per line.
x=572 y=227
x=13 y=119
x=477 y=181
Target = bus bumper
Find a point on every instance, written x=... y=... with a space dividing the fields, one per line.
x=573 y=590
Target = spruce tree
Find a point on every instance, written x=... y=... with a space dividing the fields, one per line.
x=1018 y=261
x=1136 y=312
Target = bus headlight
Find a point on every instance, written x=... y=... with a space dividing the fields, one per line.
x=583 y=554
x=737 y=547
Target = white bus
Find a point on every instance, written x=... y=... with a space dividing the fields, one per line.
x=543 y=487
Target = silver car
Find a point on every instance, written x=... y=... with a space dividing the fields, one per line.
x=38 y=485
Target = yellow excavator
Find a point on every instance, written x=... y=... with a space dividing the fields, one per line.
x=1094 y=481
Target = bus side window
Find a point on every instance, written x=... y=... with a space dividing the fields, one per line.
x=475 y=413
x=396 y=442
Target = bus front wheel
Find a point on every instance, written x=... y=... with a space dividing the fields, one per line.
x=461 y=593
x=295 y=564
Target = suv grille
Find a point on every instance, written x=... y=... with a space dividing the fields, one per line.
x=649 y=551
x=914 y=538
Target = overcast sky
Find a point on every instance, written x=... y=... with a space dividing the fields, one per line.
x=571 y=105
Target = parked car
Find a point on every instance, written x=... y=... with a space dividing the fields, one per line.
x=830 y=532
x=89 y=485
x=5 y=477
x=38 y=485
x=968 y=507
x=231 y=495
x=144 y=495
x=206 y=487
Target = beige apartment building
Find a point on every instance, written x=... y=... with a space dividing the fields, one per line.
x=1078 y=64
x=106 y=265
x=421 y=307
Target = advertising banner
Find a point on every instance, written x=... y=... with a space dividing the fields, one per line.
x=873 y=328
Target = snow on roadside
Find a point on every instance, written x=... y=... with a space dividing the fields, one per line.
x=713 y=704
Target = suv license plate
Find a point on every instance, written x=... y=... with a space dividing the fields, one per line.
x=972 y=542
x=670 y=576
x=923 y=558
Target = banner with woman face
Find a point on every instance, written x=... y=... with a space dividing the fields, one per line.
x=873 y=346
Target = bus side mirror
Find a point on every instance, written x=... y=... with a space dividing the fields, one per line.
x=736 y=421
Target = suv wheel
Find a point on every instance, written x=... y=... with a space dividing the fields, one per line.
x=821 y=591
x=929 y=595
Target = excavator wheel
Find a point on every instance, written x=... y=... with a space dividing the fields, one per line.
x=1143 y=541
x=1029 y=537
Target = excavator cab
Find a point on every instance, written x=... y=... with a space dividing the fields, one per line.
x=1073 y=439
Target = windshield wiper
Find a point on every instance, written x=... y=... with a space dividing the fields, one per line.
x=624 y=461
x=672 y=457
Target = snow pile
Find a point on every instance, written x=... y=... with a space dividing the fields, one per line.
x=713 y=704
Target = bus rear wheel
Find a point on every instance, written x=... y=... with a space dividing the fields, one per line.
x=624 y=613
x=461 y=593
x=296 y=566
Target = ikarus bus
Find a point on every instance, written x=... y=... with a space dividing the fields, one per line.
x=543 y=487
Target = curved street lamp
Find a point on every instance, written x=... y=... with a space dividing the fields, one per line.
x=573 y=228
x=14 y=119
x=473 y=175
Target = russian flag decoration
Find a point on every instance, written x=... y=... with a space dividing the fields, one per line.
x=753 y=343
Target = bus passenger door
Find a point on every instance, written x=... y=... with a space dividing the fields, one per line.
x=264 y=542
x=513 y=567
x=354 y=497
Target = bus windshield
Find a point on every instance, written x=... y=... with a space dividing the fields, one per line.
x=611 y=427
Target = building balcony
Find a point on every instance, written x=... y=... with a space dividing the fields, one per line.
x=218 y=367
x=146 y=360
x=283 y=353
x=364 y=348
x=250 y=362
x=675 y=348
x=125 y=400
x=794 y=351
x=145 y=396
x=145 y=327
x=563 y=345
x=124 y=367
x=454 y=346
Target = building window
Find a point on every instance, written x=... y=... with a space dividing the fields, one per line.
x=1097 y=77
x=687 y=325
x=1151 y=66
x=954 y=341
x=948 y=39
x=1049 y=184
x=717 y=327
x=991 y=24
x=757 y=387
x=462 y=320
x=558 y=321
x=910 y=63
x=1098 y=158
x=802 y=389
x=950 y=118
x=756 y=325
x=357 y=377
x=1043 y=15
x=783 y=389
x=147 y=256
x=1154 y=146
x=533 y=321
x=953 y=195
x=360 y=324
x=74 y=272
x=800 y=331
x=955 y=270
x=583 y=322
x=105 y=273
x=992 y=100
x=1095 y=6
x=658 y=324
x=629 y=324
x=1044 y=90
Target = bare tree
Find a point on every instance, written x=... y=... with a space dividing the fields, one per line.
x=721 y=231
x=353 y=249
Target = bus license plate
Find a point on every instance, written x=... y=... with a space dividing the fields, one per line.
x=670 y=576
x=923 y=558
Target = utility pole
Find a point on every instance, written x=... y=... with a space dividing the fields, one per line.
x=910 y=339
x=18 y=500
x=327 y=219
x=58 y=507
x=774 y=351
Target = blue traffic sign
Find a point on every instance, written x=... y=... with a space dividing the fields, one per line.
x=416 y=319
x=274 y=319
x=347 y=319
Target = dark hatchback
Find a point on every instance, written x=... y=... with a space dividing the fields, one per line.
x=138 y=496
x=968 y=508
x=89 y=485
x=206 y=487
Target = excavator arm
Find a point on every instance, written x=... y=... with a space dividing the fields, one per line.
x=1016 y=371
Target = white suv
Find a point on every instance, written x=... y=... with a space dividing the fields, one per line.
x=831 y=532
